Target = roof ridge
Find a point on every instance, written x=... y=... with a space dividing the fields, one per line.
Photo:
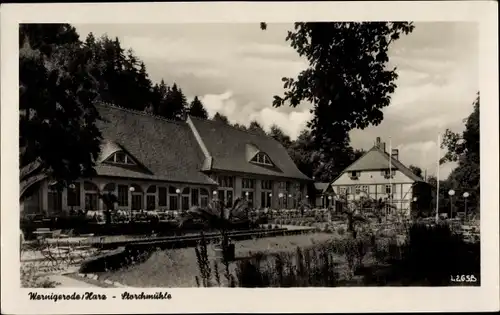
x=138 y=112
x=229 y=125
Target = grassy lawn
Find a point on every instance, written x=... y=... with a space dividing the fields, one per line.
x=178 y=267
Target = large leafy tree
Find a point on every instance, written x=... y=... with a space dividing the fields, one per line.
x=464 y=149
x=348 y=81
x=58 y=136
x=197 y=109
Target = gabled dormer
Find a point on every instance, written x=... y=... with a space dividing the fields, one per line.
x=262 y=159
x=113 y=153
x=120 y=158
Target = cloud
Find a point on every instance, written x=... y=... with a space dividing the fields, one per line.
x=292 y=123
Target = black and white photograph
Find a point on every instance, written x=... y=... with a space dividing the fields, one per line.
x=300 y=154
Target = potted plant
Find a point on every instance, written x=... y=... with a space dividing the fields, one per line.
x=222 y=219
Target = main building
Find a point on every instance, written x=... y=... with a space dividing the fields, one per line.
x=153 y=163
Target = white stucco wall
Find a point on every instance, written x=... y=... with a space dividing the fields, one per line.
x=375 y=182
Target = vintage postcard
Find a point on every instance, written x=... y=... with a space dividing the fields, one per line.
x=249 y=157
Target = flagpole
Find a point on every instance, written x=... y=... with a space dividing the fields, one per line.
x=437 y=176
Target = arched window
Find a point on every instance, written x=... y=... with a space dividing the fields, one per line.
x=54 y=198
x=123 y=192
x=173 y=198
x=91 y=196
x=204 y=197
x=73 y=199
x=195 y=197
x=151 y=198
x=162 y=196
x=185 y=198
x=137 y=197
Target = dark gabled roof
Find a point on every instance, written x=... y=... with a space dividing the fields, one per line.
x=167 y=150
x=230 y=149
x=377 y=159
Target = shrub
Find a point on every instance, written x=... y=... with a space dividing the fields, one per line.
x=31 y=278
x=341 y=231
x=430 y=255
x=305 y=267
x=269 y=226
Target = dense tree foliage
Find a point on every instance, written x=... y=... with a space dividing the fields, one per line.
x=57 y=89
x=220 y=118
x=464 y=149
x=277 y=134
x=255 y=127
x=196 y=109
x=348 y=82
x=60 y=79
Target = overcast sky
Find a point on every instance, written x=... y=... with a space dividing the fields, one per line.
x=236 y=69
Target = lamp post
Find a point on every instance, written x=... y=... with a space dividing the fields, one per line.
x=451 y=192
x=131 y=189
x=466 y=195
x=246 y=195
x=280 y=196
x=329 y=200
x=415 y=203
x=290 y=197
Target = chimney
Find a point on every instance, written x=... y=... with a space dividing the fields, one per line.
x=382 y=146
x=377 y=143
x=395 y=154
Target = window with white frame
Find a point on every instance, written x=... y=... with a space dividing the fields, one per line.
x=357 y=189
x=225 y=181
x=74 y=195
x=195 y=197
x=364 y=189
x=262 y=158
x=388 y=189
x=137 y=198
x=204 y=197
x=389 y=173
x=185 y=198
x=162 y=196
x=248 y=183
x=91 y=196
x=266 y=185
x=120 y=157
x=173 y=198
x=266 y=193
x=151 y=197
x=248 y=186
x=54 y=199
